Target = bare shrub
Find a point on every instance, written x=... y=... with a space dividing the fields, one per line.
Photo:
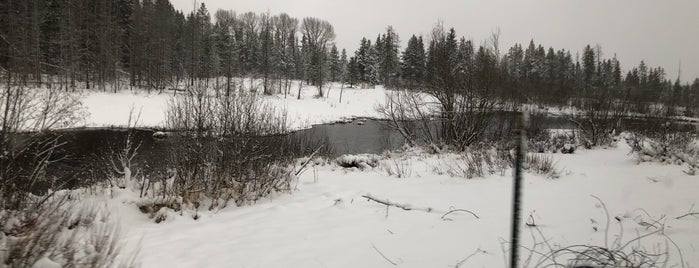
x=459 y=90
x=541 y=164
x=117 y=165
x=480 y=162
x=598 y=119
x=61 y=233
x=25 y=151
x=231 y=148
x=564 y=142
x=412 y=115
x=666 y=144
x=396 y=166
x=541 y=139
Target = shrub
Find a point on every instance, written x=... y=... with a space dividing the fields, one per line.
x=666 y=144
x=63 y=234
x=481 y=162
x=231 y=147
x=554 y=141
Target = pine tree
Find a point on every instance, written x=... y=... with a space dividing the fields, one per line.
x=353 y=75
x=334 y=63
x=413 y=65
x=362 y=58
x=388 y=57
x=589 y=66
x=372 y=66
x=343 y=66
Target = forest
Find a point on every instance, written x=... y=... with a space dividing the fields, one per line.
x=113 y=45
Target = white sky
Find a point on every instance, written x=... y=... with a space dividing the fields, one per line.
x=662 y=33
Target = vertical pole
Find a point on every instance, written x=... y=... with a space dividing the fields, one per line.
x=520 y=137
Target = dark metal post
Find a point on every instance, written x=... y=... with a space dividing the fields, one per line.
x=520 y=138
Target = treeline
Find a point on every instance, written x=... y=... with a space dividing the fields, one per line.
x=532 y=74
x=149 y=44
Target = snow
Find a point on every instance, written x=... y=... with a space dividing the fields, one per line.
x=356 y=102
x=46 y=263
x=107 y=109
x=327 y=223
x=112 y=109
x=328 y=220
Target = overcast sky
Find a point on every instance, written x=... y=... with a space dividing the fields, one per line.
x=663 y=33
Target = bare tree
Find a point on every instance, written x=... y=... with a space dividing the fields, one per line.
x=318 y=33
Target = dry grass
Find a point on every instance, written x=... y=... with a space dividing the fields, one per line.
x=613 y=253
x=482 y=162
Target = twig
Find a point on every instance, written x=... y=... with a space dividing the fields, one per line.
x=478 y=250
x=688 y=214
x=384 y=256
x=606 y=230
x=457 y=210
x=648 y=224
x=532 y=223
x=679 y=251
x=310 y=158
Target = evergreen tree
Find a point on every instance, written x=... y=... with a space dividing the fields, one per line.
x=589 y=66
x=334 y=63
x=353 y=75
x=387 y=48
x=413 y=65
x=343 y=66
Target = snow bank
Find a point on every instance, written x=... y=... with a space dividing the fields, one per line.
x=328 y=223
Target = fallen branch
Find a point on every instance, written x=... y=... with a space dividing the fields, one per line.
x=401 y=206
x=388 y=204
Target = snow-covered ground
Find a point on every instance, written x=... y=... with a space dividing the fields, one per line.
x=106 y=109
x=112 y=109
x=327 y=223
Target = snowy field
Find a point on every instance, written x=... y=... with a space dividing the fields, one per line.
x=327 y=223
x=106 y=109
x=109 y=109
x=327 y=220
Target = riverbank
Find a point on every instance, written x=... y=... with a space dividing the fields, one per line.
x=328 y=221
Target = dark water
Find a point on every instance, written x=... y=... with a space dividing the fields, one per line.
x=359 y=136
x=86 y=153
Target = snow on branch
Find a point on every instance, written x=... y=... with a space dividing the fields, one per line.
x=369 y=197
